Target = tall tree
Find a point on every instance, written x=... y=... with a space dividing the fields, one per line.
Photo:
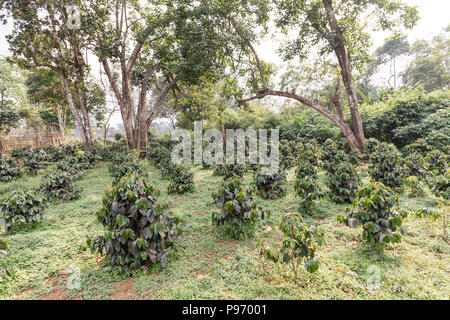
x=146 y=52
x=44 y=36
x=329 y=27
x=431 y=65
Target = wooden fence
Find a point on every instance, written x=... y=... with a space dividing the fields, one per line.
x=9 y=143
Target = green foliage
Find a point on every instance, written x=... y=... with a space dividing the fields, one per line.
x=288 y=156
x=408 y=116
x=124 y=164
x=118 y=136
x=229 y=170
x=34 y=161
x=376 y=211
x=437 y=162
x=9 y=169
x=238 y=209
x=59 y=184
x=271 y=185
x=299 y=244
x=415 y=165
x=21 y=207
x=139 y=232
x=441 y=185
x=306 y=186
x=182 y=180
x=343 y=182
x=386 y=165
x=419 y=146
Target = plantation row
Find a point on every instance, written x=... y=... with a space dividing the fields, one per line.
x=140 y=230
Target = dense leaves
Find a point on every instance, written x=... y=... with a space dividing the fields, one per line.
x=59 y=184
x=386 y=165
x=306 y=186
x=9 y=169
x=271 y=185
x=376 y=211
x=21 y=207
x=238 y=209
x=181 y=181
x=343 y=182
x=139 y=231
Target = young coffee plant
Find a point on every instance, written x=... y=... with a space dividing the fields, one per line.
x=441 y=185
x=9 y=170
x=299 y=245
x=74 y=169
x=35 y=161
x=182 y=181
x=140 y=232
x=21 y=207
x=437 y=162
x=309 y=152
x=376 y=211
x=238 y=209
x=306 y=186
x=271 y=185
x=370 y=147
x=59 y=184
x=387 y=165
x=415 y=165
x=343 y=182
x=288 y=155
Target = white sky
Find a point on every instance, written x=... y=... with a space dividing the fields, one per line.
x=434 y=16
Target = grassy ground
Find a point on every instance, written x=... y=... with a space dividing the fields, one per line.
x=210 y=265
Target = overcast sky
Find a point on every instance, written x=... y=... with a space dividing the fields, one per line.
x=434 y=16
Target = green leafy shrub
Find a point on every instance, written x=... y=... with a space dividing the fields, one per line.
x=386 y=165
x=182 y=180
x=9 y=170
x=35 y=161
x=370 y=147
x=123 y=165
x=21 y=153
x=271 y=185
x=441 y=185
x=139 y=232
x=3 y=247
x=288 y=154
x=229 y=170
x=415 y=165
x=343 y=182
x=306 y=186
x=419 y=146
x=376 y=211
x=74 y=169
x=309 y=152
x=238 y=209
x=299 y=244
x=21 y=207
x=59 y=184
x=437 y=162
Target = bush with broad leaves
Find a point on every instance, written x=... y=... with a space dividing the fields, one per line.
x=376 y=211
x=271 y=185
x=343 y=182
x=307 y=186
x=437 y=162
x=299 y=244
x=238 y=209
x=386 y=165
x=229 y=170
x=182 y=180
x=22 y=207
x=415 y=165
x=139 y=232
x=124 y=164
x=9 y=170
x=419 y=146
x=59 y=184
x=440 y=185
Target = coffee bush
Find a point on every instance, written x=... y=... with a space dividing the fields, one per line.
x=140 y=232
x=182 y=180
x=59 y=184
x=437 y=162
x=9 y=170
x=271 y=185
x=343 y=182
x=386 y=165
x=21 y=207
x=376 y=211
